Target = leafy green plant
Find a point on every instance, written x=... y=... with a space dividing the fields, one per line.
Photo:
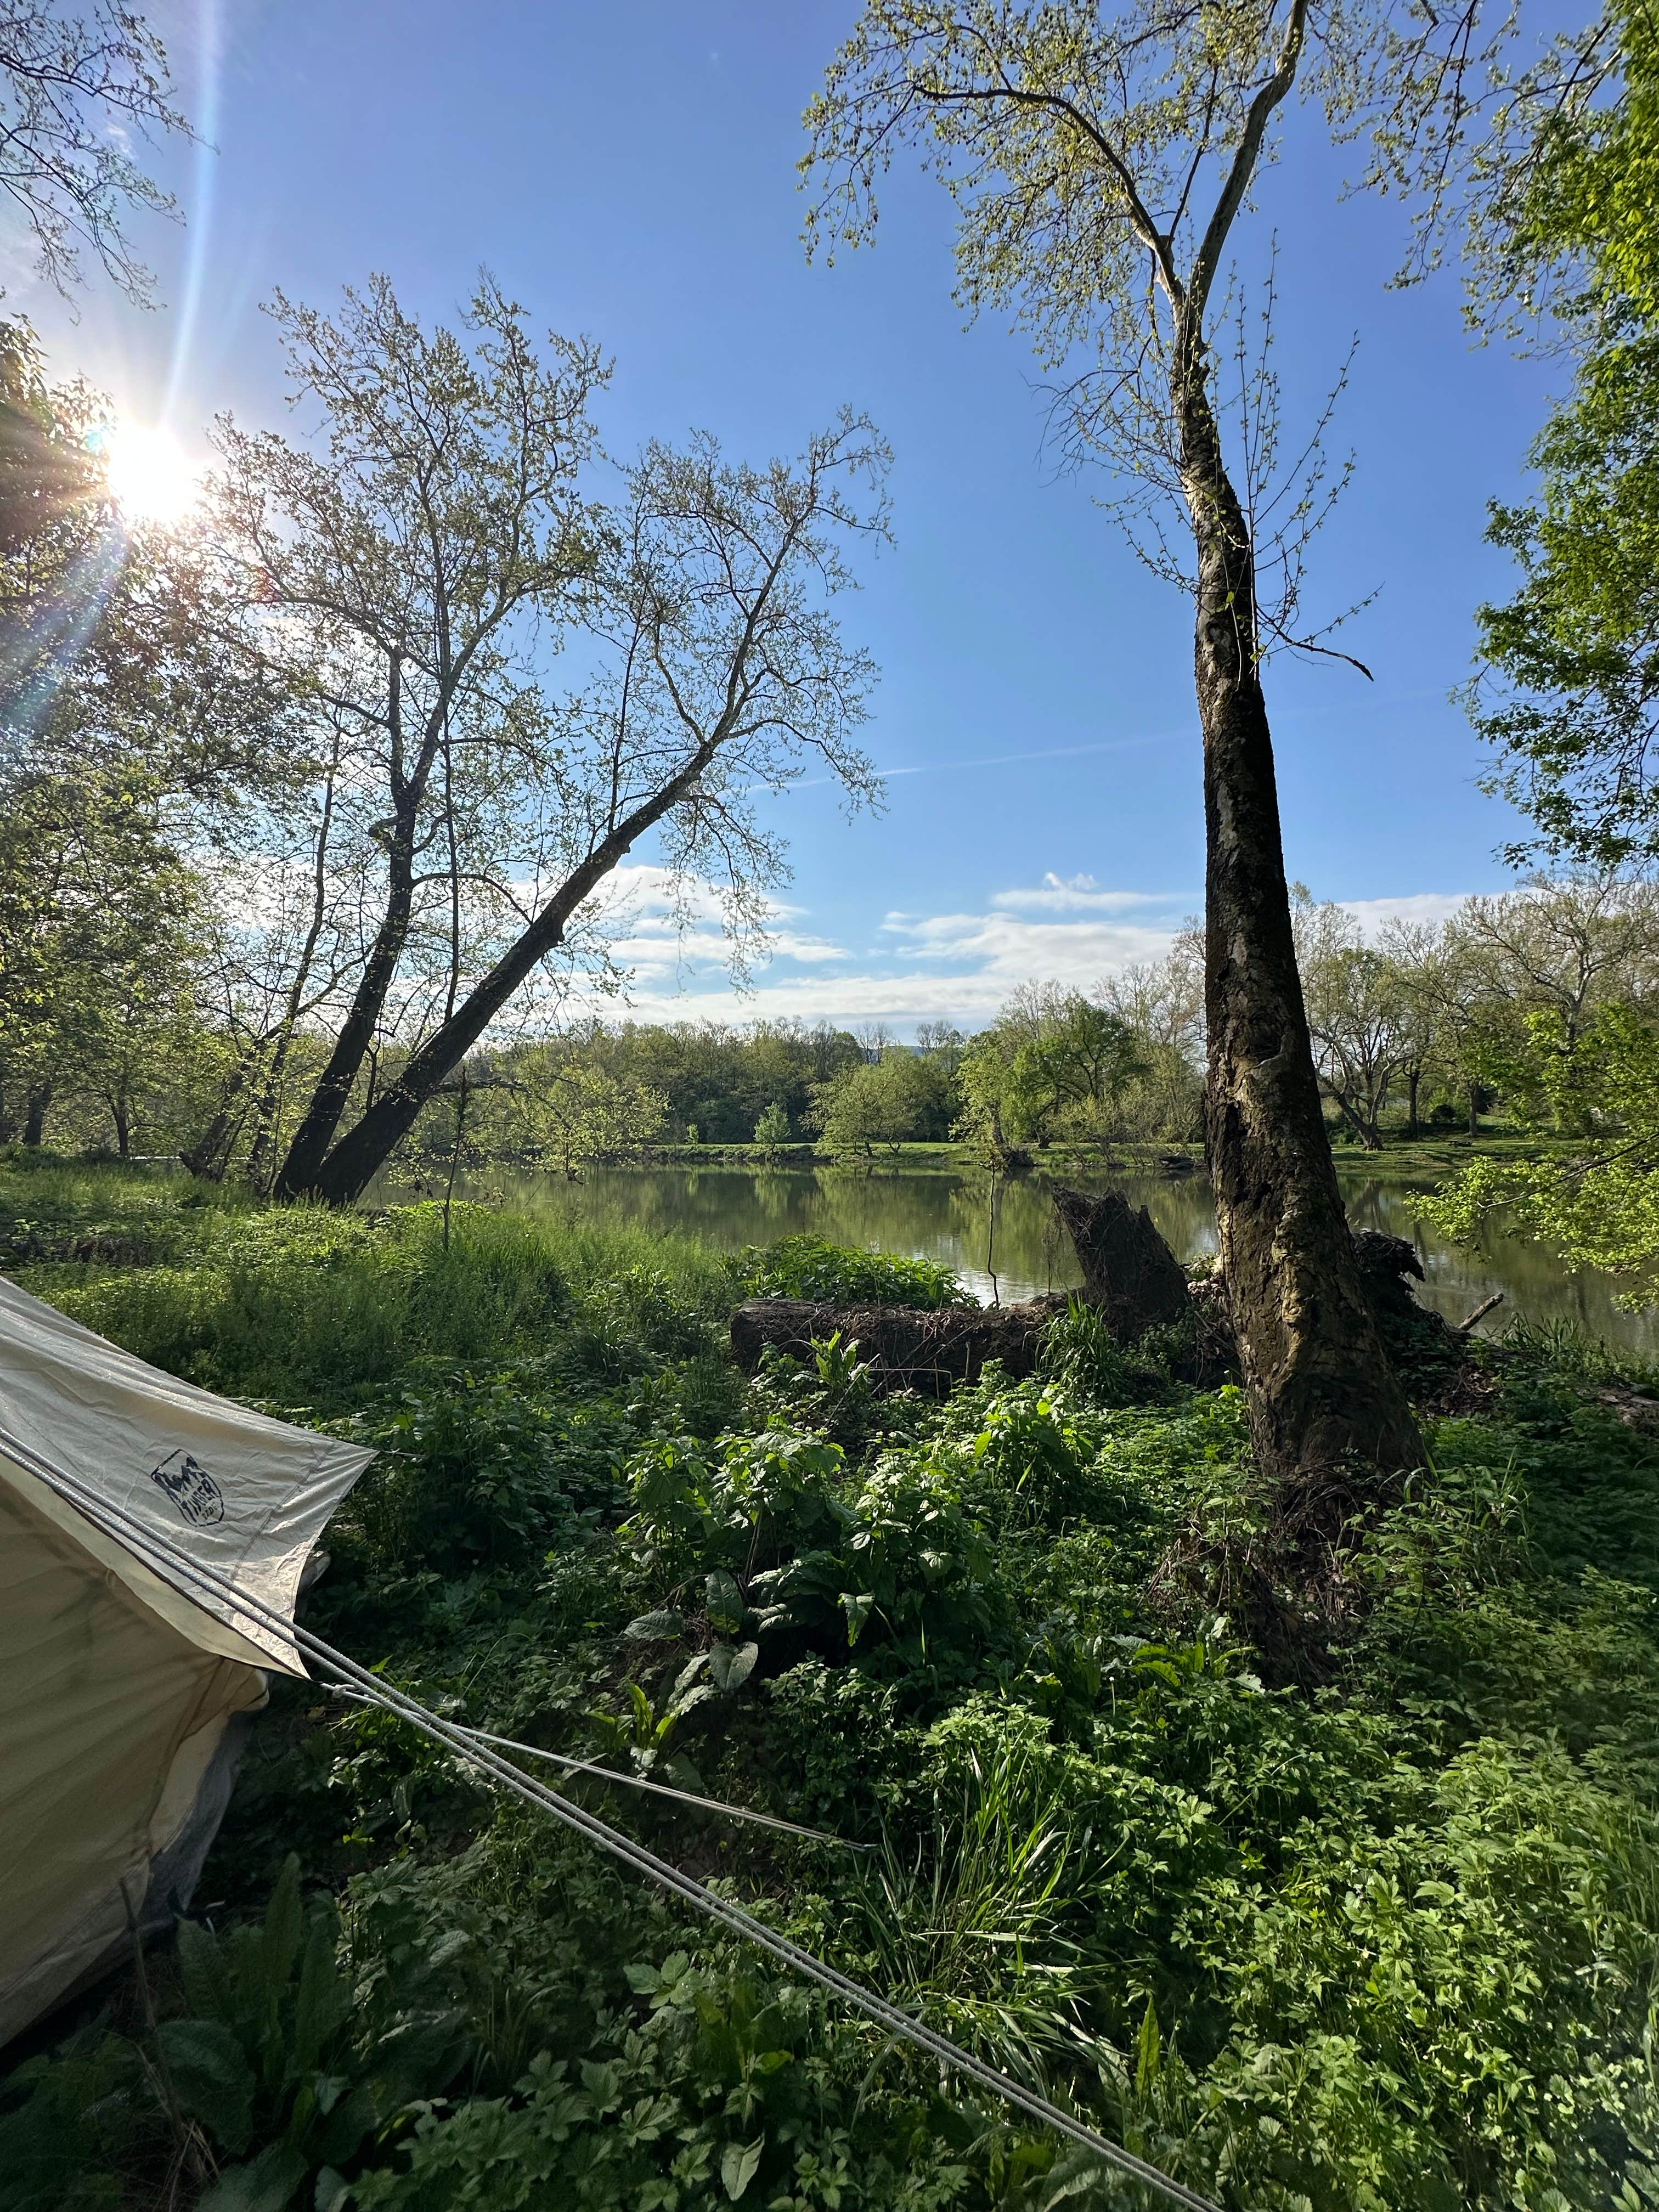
x=834 y=1275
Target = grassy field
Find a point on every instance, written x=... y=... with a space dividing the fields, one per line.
x=1381 y=1936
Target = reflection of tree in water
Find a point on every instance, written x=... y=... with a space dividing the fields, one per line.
x=945 y=1216
x=774 y=1197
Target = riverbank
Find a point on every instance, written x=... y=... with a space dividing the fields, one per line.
x=1387 y=1941
x=1434 y=1154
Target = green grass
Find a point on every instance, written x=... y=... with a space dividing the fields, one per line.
x=1388 y=1945
x=302 y=1307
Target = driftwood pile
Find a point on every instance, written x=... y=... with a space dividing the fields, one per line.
x=1128 y=1271
x=907 y=1348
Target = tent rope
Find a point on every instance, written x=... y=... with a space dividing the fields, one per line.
x=636 y=1781
x=159 y=1554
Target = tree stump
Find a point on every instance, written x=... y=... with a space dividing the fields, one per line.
x=1128 y=1270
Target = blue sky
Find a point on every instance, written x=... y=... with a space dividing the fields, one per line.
x=627 y=171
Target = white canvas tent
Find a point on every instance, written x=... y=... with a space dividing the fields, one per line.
x=118 y=1692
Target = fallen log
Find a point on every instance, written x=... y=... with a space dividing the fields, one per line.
x=907 y=1348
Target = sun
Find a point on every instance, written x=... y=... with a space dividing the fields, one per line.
x=149 y=473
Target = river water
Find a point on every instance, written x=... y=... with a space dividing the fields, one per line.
x=1003 y=1242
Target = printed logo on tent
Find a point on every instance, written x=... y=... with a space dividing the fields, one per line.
x=191 y=1489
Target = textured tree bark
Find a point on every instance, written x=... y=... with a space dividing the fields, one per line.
x=299 y=1173
x=1319 y=1385
x=1128 y=1270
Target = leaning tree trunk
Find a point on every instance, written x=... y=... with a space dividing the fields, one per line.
x=1319 y=1384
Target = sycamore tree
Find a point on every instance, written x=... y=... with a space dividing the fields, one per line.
x=80 y=92
x=414 y=566
x=1054 y=1063
x=1590 y=1187
x=1358 y=1014
x=136 y=714
x=563 y=1106
x=1101 y=164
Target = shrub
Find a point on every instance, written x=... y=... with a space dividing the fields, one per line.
x=834 y=1275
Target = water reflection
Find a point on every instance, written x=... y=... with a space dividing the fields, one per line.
x=1003 y=1240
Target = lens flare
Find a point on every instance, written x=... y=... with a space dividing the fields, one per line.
x=150 y=474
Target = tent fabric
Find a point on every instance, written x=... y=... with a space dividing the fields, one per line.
x=117 y=1689
x=242 y=1494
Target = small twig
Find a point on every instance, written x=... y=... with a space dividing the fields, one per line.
x=185 y=2137
x=1480 y=1311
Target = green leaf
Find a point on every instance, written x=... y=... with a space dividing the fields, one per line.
x=285 y=1927
x=723 y=1602
x=654 y=1627
x=858 y=1610
x=332 y=2191
x=266 y=2184
x=212 y=2078
x=202 y=1965
x=355 y=2115
x=739 y=2163
x=323 y=2002
x=1149 y=2049
x=730 y=1665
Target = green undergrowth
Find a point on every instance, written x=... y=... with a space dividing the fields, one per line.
x=808 y=1268
x=1386 y=1944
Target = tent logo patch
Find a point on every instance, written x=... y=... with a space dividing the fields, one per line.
x=191 y=1489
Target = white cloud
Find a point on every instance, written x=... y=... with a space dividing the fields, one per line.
x=960 y=967
x=1374 y=914
x=1081 y=894
x=1000 y=950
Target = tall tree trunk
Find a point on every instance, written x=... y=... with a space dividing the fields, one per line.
x=210 y=1156
x=122 y=1129
x=35 y=1114
x=352 y=1164
x=299 y=1171
x=1413 y=1078
x=1319 y=1385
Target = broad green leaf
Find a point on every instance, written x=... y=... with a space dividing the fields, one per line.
x=284 y=1926
x=739 y=2163
x=267 y=2183
x=730 y=1665
x=202 y=1965
x=212 y=2078
x=858 y=1609
x=323 y=2000
x=654 y=1627
x=723 y=1602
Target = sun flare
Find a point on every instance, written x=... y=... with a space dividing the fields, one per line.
x=150 y=475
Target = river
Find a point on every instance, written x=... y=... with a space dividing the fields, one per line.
x=1005 y=1243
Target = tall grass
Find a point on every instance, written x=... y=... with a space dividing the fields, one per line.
x=300 y=1306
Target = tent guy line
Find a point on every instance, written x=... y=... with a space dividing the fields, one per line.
x=164 y=1558
x=633 y=1780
